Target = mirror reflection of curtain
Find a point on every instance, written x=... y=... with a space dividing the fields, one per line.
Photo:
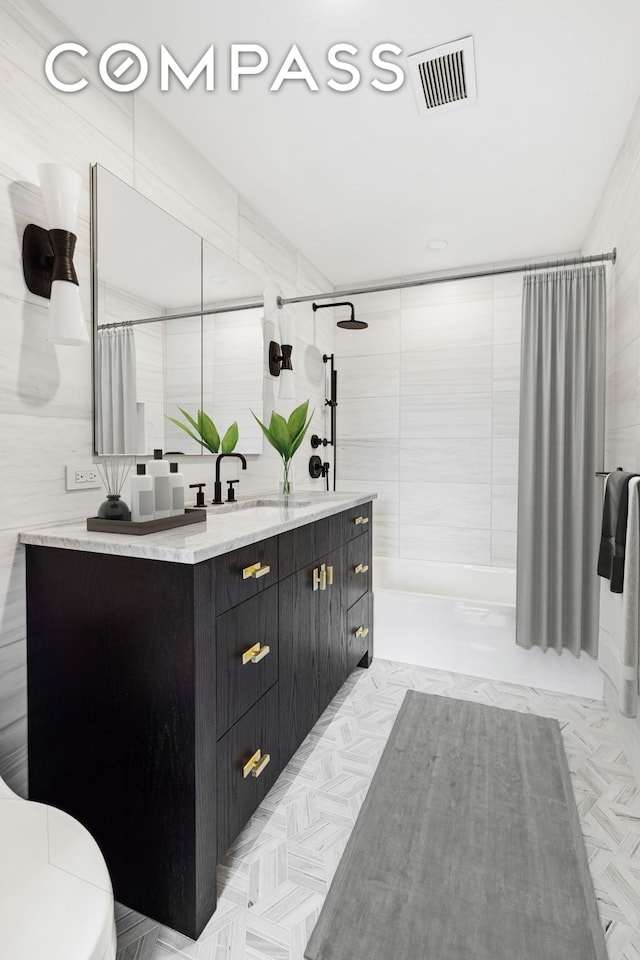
x=117 y=415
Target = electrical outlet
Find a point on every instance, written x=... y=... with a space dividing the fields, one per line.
x=82 y=477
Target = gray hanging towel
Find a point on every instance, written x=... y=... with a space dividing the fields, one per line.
x=614 y=529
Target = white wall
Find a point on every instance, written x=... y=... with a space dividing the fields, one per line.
x=428 y=417
x=616 y=222
x=45 y=391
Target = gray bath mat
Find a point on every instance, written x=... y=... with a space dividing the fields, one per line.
x=467 y=847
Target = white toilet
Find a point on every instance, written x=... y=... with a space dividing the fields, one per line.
x=56 y=900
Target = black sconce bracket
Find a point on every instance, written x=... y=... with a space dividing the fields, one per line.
x=47 y=255
x=279 y=360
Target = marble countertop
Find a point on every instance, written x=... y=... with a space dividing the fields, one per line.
x=226 y=529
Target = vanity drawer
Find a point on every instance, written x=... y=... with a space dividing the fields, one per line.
x=358 y=568
x=356 y=521
x=302 y=546
x=243 y=573
x=359 y=631
x=242 y=679
x=238 y=795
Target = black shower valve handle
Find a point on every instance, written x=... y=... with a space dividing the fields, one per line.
x=316 y=441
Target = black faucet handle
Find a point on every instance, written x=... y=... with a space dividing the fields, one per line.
x=200 y=494
x=231 y=493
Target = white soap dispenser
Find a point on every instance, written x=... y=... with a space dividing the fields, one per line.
x=141 y=495
x=159 y=471
x=176 y=490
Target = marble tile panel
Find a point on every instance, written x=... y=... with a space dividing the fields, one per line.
x=266 y=243
x=504 y=460
x=29 y=32
x=506 y=366
x=13 y=613
x=382 y=336
x=505 y=413
x=36 y=116
x=367 y=304
x=309 y=280
x=37 y=378
x=162 y=153
x=446 y=416
x=447 y=504
x=13 y=683
x=503 y=548
x=376 y=417
x=386 y=539
x=452 y=291
x=443 y=460
x=37 y=495
x=373 y=376
x=508 y=286
x=507 y=320
x=369 y=460
x=622 y=387
x=445 y=544
x=504 y=507
x=448 y=370
x=447 y=325
x=13 y=756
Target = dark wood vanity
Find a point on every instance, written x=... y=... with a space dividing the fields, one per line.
x=157 y=689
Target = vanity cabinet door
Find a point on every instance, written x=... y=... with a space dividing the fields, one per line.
x=244 y=573
x=360 y=633
x=247 y=656
x=358 y=574
x=313 y=658
x=357 y=520
x=239 y=795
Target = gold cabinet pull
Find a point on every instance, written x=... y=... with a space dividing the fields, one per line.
x=320 y=578
x=361 y=568
x=329 y=576
x=256 y=570
x=362 y=631
x=255 y=654
x=359 y=520
x=256 y=764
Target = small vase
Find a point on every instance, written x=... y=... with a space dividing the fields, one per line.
x=286 y=479
x=113 y=508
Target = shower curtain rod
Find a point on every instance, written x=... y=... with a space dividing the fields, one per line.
x=252 y=305
x=424 y=281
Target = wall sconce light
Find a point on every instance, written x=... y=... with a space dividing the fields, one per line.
x=47 y=256
x=280 y=357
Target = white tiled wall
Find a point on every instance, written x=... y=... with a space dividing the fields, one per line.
x=428 y=417
x=45 y=391
x=616 y=223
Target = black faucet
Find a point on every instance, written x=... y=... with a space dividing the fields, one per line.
x=217 y=487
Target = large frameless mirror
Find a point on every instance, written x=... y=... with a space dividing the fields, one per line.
x=176 y=324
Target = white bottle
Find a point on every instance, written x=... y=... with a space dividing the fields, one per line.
x=176 y=490
x=141 y=495
x=159 y=471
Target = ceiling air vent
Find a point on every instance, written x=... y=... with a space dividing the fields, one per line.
x=444 y=76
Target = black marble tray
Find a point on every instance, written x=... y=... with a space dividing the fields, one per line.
x=137 y=528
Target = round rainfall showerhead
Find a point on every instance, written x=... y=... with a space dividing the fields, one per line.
x=351 y=323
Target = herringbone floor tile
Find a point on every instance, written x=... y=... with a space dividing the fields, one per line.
x=273 y=881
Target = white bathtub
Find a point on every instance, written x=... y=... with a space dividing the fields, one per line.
x=462 y=619
x=457 y=580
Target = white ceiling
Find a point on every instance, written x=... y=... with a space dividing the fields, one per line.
x=358 y=181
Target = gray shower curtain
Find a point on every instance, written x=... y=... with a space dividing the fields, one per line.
x=116 y=391
x=560 y=449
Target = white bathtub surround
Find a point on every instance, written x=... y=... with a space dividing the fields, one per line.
x=462 y=618
x=435 y=378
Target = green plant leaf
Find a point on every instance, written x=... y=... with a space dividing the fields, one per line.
x=279 y=429
x=186 y=430
x=190 y=419
x=208 y=431
x=298 y=440
x=230 y=438
x=272 y=440
x=297 y=419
